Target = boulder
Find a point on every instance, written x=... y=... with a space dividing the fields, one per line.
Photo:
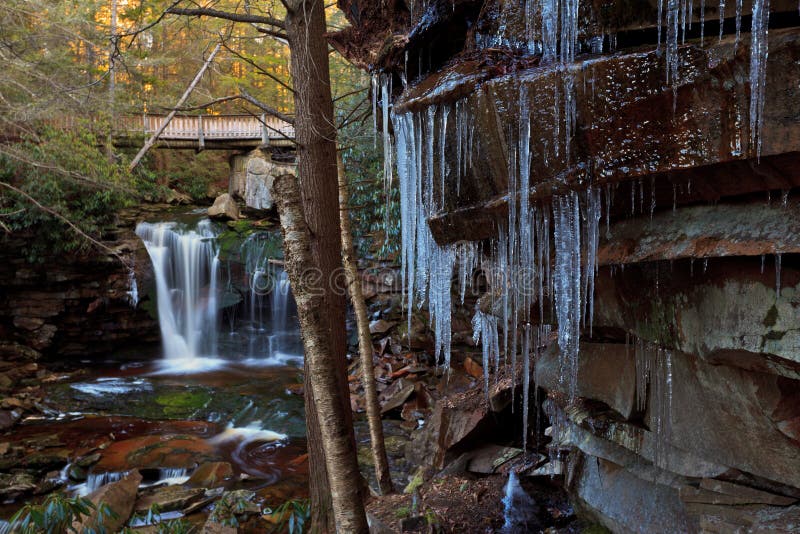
x=119 y=497
x=14 y=485
x=211 y=475
x=224 y=208
x=169 y=498
x=622 y=502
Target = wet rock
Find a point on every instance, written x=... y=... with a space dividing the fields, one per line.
x=473 y=368
x=164 y=451
x=489 y=459
x=88 y=460
x=213 y=527
x=169 y=498
x=211 y=475
x=13 y=351
x=720 y=492
x=14 y=485
x=394 y=396
x=606 y=372
x=623 y=502
x=550 y=469
x=48 y=458
x=8 y=418
x=177 y=197
x=380 y=326
x=119 y=497
x=77 y=473
x=450 y=424
x=224 y=208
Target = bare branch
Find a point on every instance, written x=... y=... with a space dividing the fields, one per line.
x=234 y=17
x=259 y=68
x=69 y=223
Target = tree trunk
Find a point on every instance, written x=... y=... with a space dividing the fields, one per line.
x=315 y=133
x=152 y=141
x=321 y=369
x=364 y=339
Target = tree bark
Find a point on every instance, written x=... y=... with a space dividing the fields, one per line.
x=315 y=133
x=364 y=339
x=337 y=435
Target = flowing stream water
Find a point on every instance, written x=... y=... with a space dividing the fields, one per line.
x=221 y=387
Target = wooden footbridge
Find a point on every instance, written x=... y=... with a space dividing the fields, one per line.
x=199 y=132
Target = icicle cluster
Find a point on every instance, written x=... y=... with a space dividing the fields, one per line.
x=428 y=268
x=759 y=50
x=654 y=382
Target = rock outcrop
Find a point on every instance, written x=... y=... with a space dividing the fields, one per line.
x=76 y=305
x=252 y=175
x=679 y=404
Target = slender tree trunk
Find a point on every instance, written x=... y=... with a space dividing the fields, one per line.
x=364 y=339
x=337 y=434
x=150 y=142
x=315 y=133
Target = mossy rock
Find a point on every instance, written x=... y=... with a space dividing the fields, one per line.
x=183 y=403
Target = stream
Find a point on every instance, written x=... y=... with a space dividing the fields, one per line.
x=225 y=386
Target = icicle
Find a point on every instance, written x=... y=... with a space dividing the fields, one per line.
x=549 y=14
x=375 y=89
x=721 y=18
x=442 y=150
x=467 y=262
x=386 y=103
x=673 y=16
x=702 y=22
x=763 y=260
x=777 y=275
x=567 y=284
x=759 y=51
x=526 y=382
x=593 y=214
x=652 y=196
x=570 y=112
x=738 y=24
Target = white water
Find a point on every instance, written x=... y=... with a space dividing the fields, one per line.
x=519 y=508
x=192 y=288
x=186 y=267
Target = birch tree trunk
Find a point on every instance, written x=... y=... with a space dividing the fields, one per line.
x=321 y=370
x=364 y=339
x=315 y=133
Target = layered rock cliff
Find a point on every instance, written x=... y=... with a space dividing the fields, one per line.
x=626 y=172
x=75 y=305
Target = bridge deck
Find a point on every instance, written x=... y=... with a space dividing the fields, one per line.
x=220 y=132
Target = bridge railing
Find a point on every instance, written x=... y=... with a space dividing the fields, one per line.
x=207 y=127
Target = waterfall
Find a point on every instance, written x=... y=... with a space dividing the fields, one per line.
x=186 y=266
x=196 y=287
x=519 y=508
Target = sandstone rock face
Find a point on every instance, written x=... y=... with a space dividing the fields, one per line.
x=252 y=175
x=685 y=414
x=224 y=208
x=74 y=304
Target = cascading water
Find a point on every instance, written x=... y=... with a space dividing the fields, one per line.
x=270 y=328
x=195 y=290
x=186 y=267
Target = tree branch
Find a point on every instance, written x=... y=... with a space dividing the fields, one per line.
x=235 y=17
x=69 y=223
